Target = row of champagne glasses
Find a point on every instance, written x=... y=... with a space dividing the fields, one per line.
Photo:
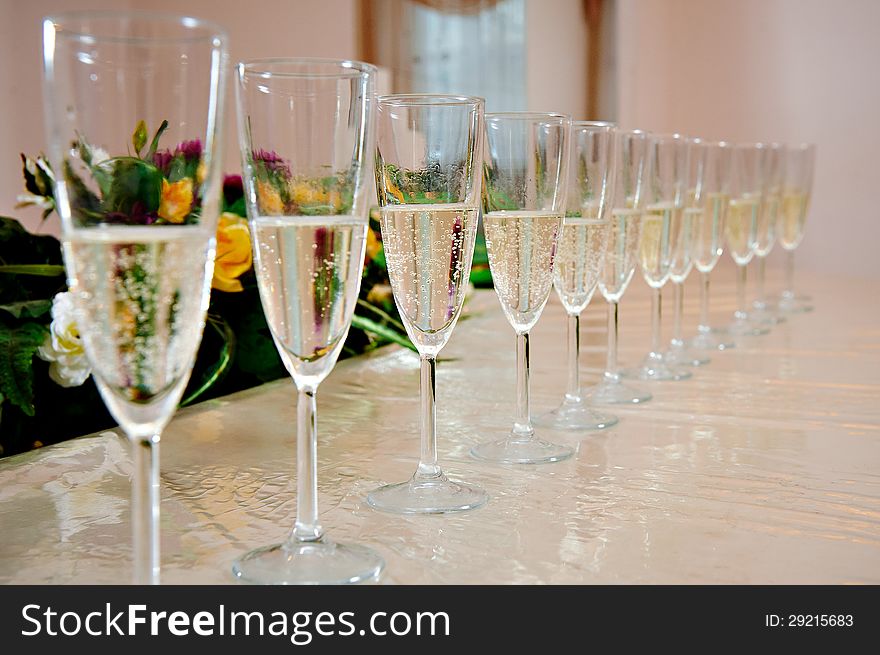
x=139 y=238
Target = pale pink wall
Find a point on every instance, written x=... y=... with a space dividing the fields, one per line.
x=556 y=56
x=786 y=70
x=256 y=28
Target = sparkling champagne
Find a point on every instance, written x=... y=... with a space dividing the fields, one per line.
x=581 y=252
x=655 y=243
x=767 y=220
x=791 y=219
x=683 y=244
x=308 y=272
x=429 y=250
x=622 y=253
x=522 y=249
x=708 y=244
x=140 y=295
x=741 y=228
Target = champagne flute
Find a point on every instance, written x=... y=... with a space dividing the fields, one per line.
x=708 y=236
x=799 y=164
x=774 y=177
x=524 y=195
x=680 y=353
x=741 y=226
x=138 y=246
x=306 y=136
x=627 y=202
x=579 y=259
x=428 y=179
x=665 y=197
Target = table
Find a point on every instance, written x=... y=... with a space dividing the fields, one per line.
x=763 y=468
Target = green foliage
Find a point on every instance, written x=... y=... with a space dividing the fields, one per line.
x=27 y=309
x=130 y=186
x=154 y=144
x=18 y=345
x=139 y=138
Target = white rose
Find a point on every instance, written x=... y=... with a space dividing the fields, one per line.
x=63 y=346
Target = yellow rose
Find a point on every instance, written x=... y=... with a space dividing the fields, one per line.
x=374 y=246
x=306 y=194
x=177 y=199
x=268 y=199
x=234 y=256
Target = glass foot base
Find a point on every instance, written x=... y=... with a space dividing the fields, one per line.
x=517 y=450
x=794 y=306
x=684 y=356
x=427 y=496
x=655 y=369
x=747 y=328
x=314 y=562
x=762 y=315
x=616 y=393
x=576 y=415
x=711 y=340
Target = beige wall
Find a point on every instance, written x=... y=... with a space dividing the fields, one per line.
x=787 y=70
x=556 y=56
x=257 y=28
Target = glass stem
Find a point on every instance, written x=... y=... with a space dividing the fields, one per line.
x=789 y=274
x=678 y=313
x=704 y=303
x=656 y=309
x=307 y=527
x=741 y=292
x=145 y=509
x=611 y=365
x=522 y=427
x=760 y=300
x=574 y=346
x=428 y=467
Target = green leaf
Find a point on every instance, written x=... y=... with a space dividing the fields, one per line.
x=382 y=331
x=238 y=207
x=385 y=316
x=131 y=180
x=481 y=277
x=43 y=270
x=154 y=144
x=28 y=308
x=139 y=138
x=17 y=348
x=216 y=371
x=83 y=201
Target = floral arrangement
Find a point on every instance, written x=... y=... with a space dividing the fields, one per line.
x=46 y=392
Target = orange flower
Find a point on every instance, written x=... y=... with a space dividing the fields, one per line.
x=234 y=256
x=268 y=199
x=177 y=199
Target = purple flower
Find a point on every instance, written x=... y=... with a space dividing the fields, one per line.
x=273 y=162
x=232 y=189
x=162 y=161
x=189 y=149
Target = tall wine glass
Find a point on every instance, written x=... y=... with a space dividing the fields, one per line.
x=709 y=236
x=768 y=218
x=306 y=137
x=665 y=196
x=579 y=259
x=133 y=113
x=741 y=226
x=683 y=233
x=627 y=202
x=524 y=195
x=428 y=178
x=799 y=164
